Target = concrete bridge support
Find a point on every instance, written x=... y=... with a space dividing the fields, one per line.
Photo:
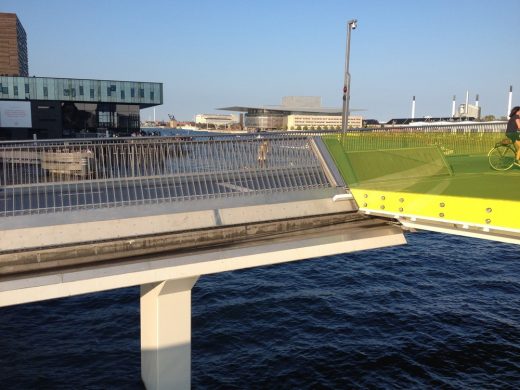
x=166 y=334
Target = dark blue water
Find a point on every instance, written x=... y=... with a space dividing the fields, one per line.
x=441 y=312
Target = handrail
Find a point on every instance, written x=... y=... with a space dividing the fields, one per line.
x=42 y=177
x=497 y=126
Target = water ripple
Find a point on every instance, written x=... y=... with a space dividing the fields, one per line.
x=443 y=311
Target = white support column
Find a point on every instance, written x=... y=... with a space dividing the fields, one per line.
x=166 y=334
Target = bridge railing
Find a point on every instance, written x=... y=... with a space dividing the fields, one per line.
x=55 y=176
x=452 y=140
x=62 y=175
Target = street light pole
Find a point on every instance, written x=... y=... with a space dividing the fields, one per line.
x=352 y=24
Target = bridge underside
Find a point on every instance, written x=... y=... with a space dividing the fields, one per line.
x=295 y=239
x=42 y=255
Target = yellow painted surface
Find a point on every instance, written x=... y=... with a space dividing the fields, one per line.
x=496 y=213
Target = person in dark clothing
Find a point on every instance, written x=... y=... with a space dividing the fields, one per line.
x=513 y=129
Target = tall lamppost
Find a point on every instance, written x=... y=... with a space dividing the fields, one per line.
x=352 y=24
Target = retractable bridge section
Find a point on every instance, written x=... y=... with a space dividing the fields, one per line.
x=432 y=177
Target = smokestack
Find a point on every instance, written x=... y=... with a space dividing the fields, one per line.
x=476 y=101
x=510 y=101
x=453 y=107
x=467 y=102
x=413 y=107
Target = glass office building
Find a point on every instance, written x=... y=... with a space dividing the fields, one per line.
x=62 y=107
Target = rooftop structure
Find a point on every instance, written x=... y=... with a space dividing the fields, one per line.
x=290 y=105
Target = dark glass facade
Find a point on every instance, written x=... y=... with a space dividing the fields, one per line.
x=21 y=41
x=67 y=108
x=83 y=118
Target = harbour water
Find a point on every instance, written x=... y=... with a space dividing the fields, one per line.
x=440 y=312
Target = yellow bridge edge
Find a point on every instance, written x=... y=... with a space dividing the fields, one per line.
x=479 y=212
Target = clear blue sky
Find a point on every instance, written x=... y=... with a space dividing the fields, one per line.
x=212 y=54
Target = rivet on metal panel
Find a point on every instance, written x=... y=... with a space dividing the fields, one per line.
x=401 y=209
x=441 y=215
x=365 y=205
x=365 y=196
x=488 y=221
x=401 y=200
x=442 y=204
x=489 y=209
x=383 y=197
x=382 y=207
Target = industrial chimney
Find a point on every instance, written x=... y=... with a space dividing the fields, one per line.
x=453 y=107
x=467 y=102
x=510 y=101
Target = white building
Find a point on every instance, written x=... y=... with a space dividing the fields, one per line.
x=294 y=113
x=472 y=111
x=216 y=119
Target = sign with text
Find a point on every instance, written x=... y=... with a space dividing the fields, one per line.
x=15 y=114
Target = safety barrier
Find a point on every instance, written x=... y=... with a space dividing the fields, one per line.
x=54 y=176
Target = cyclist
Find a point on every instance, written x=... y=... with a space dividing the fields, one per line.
x=513 y=130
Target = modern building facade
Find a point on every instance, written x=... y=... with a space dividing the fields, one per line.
x=46 y=107
x=295 y=113
x=13 y=46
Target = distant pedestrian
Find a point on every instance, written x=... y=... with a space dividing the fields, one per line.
x=513 y=130
x=263 y=149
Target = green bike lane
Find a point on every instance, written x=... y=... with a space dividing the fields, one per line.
x=431 y=180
